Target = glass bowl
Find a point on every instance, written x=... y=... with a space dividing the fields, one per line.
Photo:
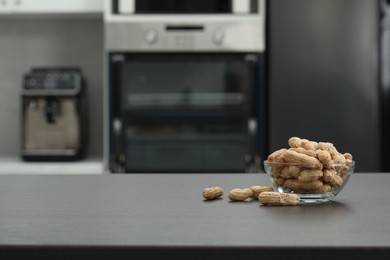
x=312 y=183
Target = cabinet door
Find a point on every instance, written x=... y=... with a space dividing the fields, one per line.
x=330 y=65
x=58 y=6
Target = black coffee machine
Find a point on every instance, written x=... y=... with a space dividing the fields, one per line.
x=53 y=115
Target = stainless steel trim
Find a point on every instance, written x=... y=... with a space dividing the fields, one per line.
x=106 y=115
x=218 y=35
x=126 y=6
x=241 y=6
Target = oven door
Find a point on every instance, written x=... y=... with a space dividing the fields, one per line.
x=180 y=112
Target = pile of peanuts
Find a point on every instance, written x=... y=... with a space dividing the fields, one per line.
x=306 y=167
x=312 y=167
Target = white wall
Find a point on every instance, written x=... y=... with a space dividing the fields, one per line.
x=29 y=42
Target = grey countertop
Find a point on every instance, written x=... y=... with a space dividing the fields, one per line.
x=154 y=214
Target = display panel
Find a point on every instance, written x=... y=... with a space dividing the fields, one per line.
x=182 y=6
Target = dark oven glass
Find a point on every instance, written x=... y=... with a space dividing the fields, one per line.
x=182 y=6
x=183 y=112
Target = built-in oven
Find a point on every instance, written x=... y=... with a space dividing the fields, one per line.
x=185 y=93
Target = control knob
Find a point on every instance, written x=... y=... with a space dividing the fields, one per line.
x=151 y=37
x=218 y=37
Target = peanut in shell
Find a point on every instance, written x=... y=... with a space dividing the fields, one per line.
x=273 y=198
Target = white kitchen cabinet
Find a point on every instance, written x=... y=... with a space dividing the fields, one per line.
x=51 y=6
x=5 y=6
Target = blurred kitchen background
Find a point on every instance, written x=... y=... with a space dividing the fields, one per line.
x=316 y=69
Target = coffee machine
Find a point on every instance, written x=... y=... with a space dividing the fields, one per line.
x=53 y=119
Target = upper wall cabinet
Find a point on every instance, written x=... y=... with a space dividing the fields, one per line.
x=5 y=6
x=51 y=7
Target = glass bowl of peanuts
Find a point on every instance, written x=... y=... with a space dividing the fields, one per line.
x=315 y=171
x=312 y=183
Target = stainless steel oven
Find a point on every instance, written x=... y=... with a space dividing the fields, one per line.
x=185 y=93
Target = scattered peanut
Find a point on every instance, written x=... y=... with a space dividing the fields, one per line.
x=240 y=194
x=256 y=190
x=212 y=193
x=273 y=198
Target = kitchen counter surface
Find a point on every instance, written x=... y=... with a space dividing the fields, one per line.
x=120 y=216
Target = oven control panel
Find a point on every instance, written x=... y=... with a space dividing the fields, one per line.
x=185 y=25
